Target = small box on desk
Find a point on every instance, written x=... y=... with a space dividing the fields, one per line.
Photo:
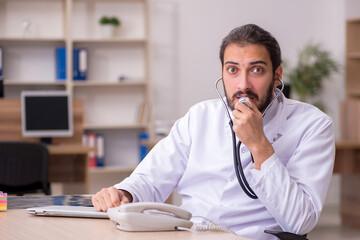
x=3 y=201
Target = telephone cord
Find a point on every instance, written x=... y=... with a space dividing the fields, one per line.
x=209 y=226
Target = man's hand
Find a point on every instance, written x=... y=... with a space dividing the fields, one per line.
x=248 y=127
x=110 y=197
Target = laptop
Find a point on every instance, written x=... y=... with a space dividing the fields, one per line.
x=67 y=211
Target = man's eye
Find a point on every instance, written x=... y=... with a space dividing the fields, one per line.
x=231 y=70
x=257 y=70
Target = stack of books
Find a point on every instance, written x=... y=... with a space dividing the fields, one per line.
x=95 y=159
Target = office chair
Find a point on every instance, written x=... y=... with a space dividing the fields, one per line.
x=24 y=168
x=287 y=235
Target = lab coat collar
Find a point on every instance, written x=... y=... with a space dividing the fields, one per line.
x=273 y=110
x=274 y=121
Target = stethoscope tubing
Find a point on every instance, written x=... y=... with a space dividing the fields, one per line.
x=239 y=171
x=238 y=166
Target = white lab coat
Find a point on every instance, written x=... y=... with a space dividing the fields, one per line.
x=197 y=159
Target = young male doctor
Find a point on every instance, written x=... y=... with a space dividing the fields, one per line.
x=287 y=154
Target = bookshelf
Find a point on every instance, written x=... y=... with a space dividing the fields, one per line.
x=350 y=107
x=352 y=58
x=347 y=149
x=111 y=105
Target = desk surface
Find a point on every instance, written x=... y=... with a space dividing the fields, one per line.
x=17 y=224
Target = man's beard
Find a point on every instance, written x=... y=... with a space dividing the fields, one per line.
x=262 y=104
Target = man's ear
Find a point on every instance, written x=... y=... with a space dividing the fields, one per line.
x=278 y=75
x=222 y=73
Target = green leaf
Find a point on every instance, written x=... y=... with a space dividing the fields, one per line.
x=110 y=20
x=314 y=66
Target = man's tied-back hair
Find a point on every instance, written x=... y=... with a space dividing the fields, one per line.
x=253 y=34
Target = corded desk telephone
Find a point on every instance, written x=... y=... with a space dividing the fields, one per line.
x=146 y=216
x=149 y=216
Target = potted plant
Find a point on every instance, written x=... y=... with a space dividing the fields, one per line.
x=109 y=26
x=314 y=66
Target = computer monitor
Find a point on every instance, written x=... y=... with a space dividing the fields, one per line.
x=46 y=114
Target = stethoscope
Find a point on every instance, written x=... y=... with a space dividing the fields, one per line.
x=236 y=148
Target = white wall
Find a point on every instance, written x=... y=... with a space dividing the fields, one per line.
x=352 y=9
x=193 y=29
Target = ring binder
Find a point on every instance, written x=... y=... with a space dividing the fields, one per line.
x=80 y=63
x=1 y=62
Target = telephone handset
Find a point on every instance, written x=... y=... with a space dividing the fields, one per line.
x=149 y=216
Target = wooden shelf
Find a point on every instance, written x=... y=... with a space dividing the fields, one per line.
x=93 y=83
x=355 y=93
x=9 y=82
x=353 y=20
x=112 y=169
x=150 y=143
x=114 y=126
x=31 y=40
x=110 y=40
x=353 y=55
x=352 y=84
x=347 y=144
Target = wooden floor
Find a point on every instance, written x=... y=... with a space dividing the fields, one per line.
x=329 y=227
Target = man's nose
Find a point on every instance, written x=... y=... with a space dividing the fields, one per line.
x=243 y=82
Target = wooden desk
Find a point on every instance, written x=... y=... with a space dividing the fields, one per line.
x=68 y=158
x=17 y=224
x=347 y=163
x=69 y=164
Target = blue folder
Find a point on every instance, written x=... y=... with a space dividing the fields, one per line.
x=1 y=61
x=61 y=63
x=80 y=63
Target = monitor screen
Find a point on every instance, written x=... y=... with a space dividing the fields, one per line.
x=46 y=114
